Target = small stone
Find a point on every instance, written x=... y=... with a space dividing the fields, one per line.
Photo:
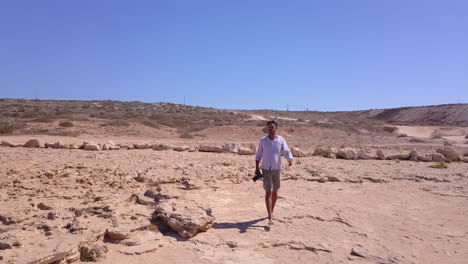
x=42 y=206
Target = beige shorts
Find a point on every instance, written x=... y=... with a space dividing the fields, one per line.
x=271 y=180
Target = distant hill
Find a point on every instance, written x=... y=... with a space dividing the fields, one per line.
x=185 y=117
x=450 y=114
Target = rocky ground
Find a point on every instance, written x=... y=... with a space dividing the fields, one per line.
x=166 y=206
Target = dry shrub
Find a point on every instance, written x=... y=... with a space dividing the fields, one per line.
x=6 y=127
x=117 y=123
x=43 y=119
x=390 y=129
x=186 y=136
x=66 y=124
x=61 y=132
x=151 y=123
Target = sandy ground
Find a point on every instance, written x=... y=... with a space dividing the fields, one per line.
x=329 y=210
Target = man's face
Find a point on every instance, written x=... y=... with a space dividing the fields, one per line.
x=271 y=129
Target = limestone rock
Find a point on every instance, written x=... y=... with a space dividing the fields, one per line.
x=185 y=217
x=380 y=154
x=141 y=145
x=231 y=147
x=296 y=152
x=398 y=156
x=424 y=158
x=208 y=148
x=347 y=153
x=74 y=146
x=449 y=153
x=465 y=159
x=362 y=154
x=246 y=151
x=58 y=145
x=126 y=146
x=437 y=157
x=35 y=143
x=319 y=152
x=413 y=153
x=92 y=253
x=161 y=147
x=181 y=148
x=91 y=146
x=5 y=143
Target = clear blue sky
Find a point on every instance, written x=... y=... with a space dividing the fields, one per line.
x=238 y=54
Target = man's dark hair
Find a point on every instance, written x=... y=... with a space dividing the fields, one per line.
x=273 y=122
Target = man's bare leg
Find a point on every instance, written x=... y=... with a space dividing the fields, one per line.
x=268 y=204
x=274 y=197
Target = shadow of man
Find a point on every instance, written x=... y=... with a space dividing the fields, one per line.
x=242 y=226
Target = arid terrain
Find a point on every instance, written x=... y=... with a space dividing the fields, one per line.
x=131 y=182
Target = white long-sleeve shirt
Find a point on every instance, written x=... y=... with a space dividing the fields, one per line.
x=269 y=152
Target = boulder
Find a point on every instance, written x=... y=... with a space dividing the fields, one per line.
x=231 y=147
x=35 y=143
x=437 y=157
x=208 y=148
x=141 y=145
x=347 y=153
x=424 y=158
x=413 y=153
x=449 y=153
x=185 y=217
x=362 y=154
x=380 y=154
x=330 y=155
x=91 y=146
x=161 y=147
x=398 y=156
x=58 y=145
x=5 y=143
x=110 y=145
x=296 y=152
x=246 y=151
x=74 y=146
x=91 y=252
x=181 y=148
x=319 y=152
x=465 y=159
x=126 y=146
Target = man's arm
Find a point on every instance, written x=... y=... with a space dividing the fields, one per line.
x=259 y=155
x=287 y=153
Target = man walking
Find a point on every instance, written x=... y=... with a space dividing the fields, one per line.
x=269 y=152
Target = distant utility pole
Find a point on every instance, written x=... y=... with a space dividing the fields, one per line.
x=184 y=99
x=287 y=108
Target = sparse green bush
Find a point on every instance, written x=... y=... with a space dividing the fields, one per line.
x=439 y=166
x=227 y=163
x=66 y=124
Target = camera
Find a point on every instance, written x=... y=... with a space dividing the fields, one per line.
x=258 y=175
